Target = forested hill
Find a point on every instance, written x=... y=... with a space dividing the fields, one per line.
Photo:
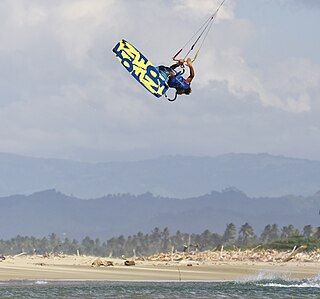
x=49 y=211
x=173 y=176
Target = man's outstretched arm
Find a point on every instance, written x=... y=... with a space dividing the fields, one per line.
x=191 y=76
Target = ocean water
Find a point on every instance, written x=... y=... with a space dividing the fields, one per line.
x=259 y=287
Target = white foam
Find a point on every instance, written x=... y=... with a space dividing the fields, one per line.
x=298 y=285
x=277 y=280
x=265 y=276
x=41 y=282
x=305 y=283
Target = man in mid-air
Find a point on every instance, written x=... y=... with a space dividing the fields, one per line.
x=175 y=79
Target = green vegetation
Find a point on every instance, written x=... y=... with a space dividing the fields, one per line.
x=289 y=243
x=162 y=241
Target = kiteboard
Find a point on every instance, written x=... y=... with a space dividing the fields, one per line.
x=141 y=68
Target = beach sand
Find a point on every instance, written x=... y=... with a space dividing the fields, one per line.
x=80 y=268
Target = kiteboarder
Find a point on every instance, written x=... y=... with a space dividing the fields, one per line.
x=157 y=80
x=175 y=79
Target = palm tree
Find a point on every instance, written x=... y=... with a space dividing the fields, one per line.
x=289 y=231
x=177 y=240
x=166 y=244
x=317 y=232
x=54 y=242
x=205 y=239
x=275 y=233
x=230 y=234
x=87 y=245
x=270 y=233
x=155 y=236
x=155 y=240
x=246 y=233
x=266 y=234
x=308 y=231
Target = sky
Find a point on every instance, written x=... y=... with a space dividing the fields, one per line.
x=63 y=94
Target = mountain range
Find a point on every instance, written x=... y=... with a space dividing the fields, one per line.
x=49 y=211
x=172 y=176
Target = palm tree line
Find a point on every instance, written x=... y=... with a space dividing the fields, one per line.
x=158 y=240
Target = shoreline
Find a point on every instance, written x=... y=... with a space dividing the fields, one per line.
x=79 y=268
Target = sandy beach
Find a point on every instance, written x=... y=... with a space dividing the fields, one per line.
x=80 y=268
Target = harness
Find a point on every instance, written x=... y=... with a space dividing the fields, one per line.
x=175 y=81
x=178 y=82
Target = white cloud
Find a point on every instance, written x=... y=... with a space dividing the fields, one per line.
x=285 y=85
x=295 y=75
x=200 y=9
x=79 y=24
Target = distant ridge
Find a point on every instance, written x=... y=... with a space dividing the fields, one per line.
x=174 y=176
x=42 y=213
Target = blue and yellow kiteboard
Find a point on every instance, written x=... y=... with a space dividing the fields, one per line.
x=141 y=68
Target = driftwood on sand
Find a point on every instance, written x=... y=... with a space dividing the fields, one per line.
x=252 y=255
x=294 y=252
x=20 y=254
x=129 y=263
x=99 y=263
